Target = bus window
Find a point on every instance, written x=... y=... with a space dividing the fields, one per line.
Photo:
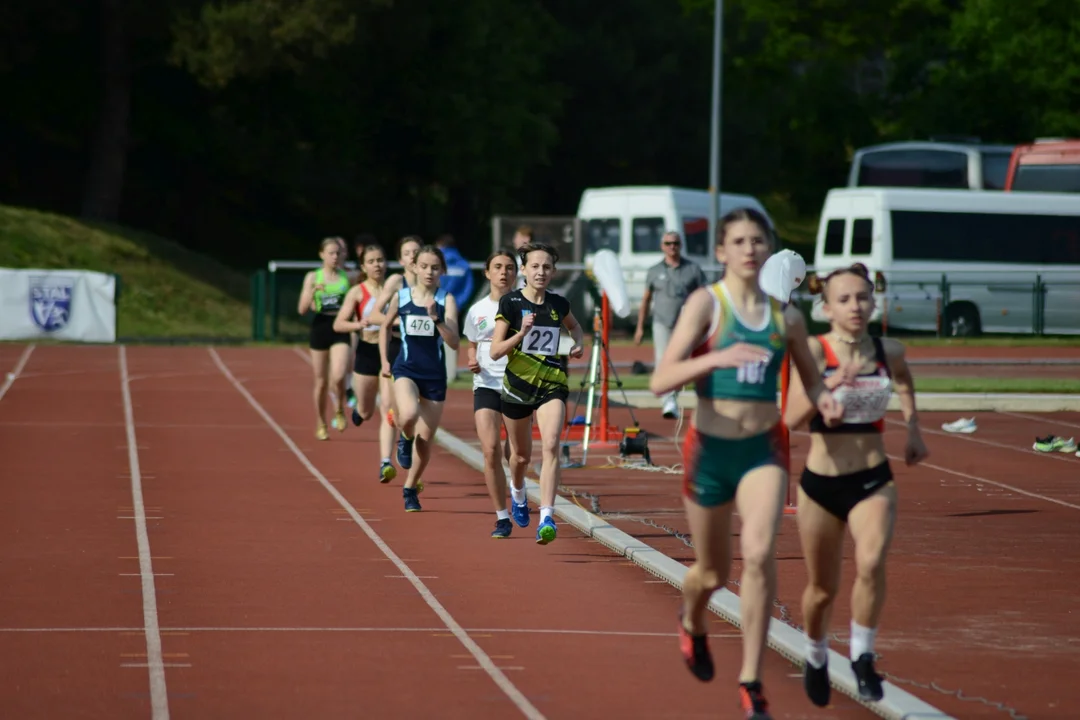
x=1048 y=178
x=862 y=236
x=914 y=168
x=834 y=237
x=647 y=233
x=696 y=236
x=985 y=237
x=995 y=169
x=602 y=234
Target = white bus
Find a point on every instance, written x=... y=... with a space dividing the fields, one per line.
x=991 y=249
x=630 y=221
x=931 y=164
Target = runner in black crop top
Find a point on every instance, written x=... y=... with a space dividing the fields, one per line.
x=858 y=400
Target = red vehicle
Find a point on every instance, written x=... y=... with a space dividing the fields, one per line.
x=1047 y=165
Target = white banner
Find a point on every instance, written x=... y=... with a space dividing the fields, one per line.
x=61 y=304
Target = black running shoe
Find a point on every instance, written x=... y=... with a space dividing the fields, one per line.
x=754 y=704
x=695 y=651
x=869 y=681
x=816 y=684
x=412 y=502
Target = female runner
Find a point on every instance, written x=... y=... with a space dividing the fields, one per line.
x=323 y=292
x=847 y=481
x=367 y=366
x=428 y=318
x=501 y=272
x=527 y=330
x=731 y=338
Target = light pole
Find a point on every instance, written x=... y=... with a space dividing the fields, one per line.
x=714 y=130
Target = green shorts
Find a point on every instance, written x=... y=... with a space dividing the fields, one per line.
x=715 y=466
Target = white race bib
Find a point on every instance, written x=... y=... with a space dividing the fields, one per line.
x=541 y=341
x=419 y=325
x=753 y=373
x=866 y=400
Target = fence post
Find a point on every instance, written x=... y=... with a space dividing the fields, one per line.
x=116 y=299
x=258 y=305
x=944 y=304
x=1038 y=306
x=271 y=287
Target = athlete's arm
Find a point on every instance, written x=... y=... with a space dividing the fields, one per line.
x=798 y=345
x=448 y=328
x=342 y=322
x=384 y=334
x=570 y=323
x=500 y=344
x=799 y=408
x=390 y=288
x=904 y=387
x=677 y=368
x=307 y=294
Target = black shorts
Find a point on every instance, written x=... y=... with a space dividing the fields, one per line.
x=368 y=360
x=839 y=494
x=516 y=411
x=323 y=336
x=487 y=399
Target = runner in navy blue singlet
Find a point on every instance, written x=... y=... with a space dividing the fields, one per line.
x=428 y=318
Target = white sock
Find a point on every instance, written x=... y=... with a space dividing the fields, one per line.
x=518 y=495
x=385 y=460
x=546 y=511
x=862 y=640
x=502 y=514
x=817 y=652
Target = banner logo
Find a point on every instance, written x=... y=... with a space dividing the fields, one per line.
x=50 y=302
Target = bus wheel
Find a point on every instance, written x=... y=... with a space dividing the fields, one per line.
x=962 y=320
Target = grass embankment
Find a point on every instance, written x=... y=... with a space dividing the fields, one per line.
x=166 y=291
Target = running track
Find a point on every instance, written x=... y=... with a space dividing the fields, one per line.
x=177 y=544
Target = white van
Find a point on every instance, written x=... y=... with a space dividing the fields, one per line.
x=931 y=164
x=631 y=221
x=971 y=260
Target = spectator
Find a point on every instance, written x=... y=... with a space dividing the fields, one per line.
x=671 y=281
x=458 y=281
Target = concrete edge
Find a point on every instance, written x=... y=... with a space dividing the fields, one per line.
x=784 y=639
x=928 y=402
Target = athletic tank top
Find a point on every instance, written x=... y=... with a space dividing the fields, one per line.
x=421 y=354
x=364 y=307
x=753 y=381
x=865 y=402
x=328 y=300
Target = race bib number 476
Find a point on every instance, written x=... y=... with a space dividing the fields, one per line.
x=419 y=325
x=541 y=341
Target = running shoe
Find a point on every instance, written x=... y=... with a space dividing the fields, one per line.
x=339 y=421
x=412 y=502
x=546 y=532
x=816 y=684
x=404 y=452
x=350 y=397
x=387 y=472
x=754 y=704
x=963 y=425
x=520 y=512
x=320 y=432
x=695 y=651
x=502 y=530
x=1053 y=443
x=356 y=419
x=869 y=681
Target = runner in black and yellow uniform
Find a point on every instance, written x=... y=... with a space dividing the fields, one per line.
x=527 y=328
x=323 y=292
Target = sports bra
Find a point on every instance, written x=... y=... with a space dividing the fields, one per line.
x=364 y=307
x=865 y=401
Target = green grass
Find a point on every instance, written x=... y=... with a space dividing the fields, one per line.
x=924 y=384
x=166 y=291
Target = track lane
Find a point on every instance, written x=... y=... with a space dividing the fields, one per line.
x=70 y=556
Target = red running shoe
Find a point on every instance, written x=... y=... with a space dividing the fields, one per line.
x=754 y=704
x=695 y=651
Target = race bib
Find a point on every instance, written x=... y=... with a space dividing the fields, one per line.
x=541 y=341
x=753 y=373
x=866 y=400
x=420 y=325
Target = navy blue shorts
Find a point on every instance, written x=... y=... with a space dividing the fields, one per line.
x=433 y=390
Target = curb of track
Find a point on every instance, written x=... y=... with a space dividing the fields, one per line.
x=784 y=639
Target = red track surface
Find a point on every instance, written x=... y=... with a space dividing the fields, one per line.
x=272 y=601
x=981 y=574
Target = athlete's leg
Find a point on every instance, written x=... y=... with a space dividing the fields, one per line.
x=387 y=430
x=710 y=529
x=319 y=363
x=760 y=503
x=519 y=434
x=871 y=523
x=339 y=366
x=550 y=418
x=430 y=415
x=488 y=423
x=822 y=536
x=366 y=388
x=406 y=406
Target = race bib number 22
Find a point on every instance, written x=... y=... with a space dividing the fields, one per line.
x=541 y=341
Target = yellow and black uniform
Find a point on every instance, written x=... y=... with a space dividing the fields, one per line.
x=535 y=371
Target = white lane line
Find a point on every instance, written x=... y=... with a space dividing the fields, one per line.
x=159 y=699
x=479 y=631
x=1036 y=418
x=511 y=691
x=14 y=374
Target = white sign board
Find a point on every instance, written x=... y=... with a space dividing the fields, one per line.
x=62 y=304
